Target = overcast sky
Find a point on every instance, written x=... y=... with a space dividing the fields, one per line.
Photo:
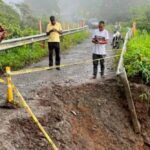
x=12 y=1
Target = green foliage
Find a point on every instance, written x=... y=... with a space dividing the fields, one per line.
x=124 y=28
x=71 y=40
x=142 y=16
x=26 y=17
x=17 y=25
x=19 y=57
x=9 y=19
x=145 y=96
x=137 y=57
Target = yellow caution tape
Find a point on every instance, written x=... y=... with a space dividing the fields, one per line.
x=28 y=109
x=2 y=81
x=54 y=67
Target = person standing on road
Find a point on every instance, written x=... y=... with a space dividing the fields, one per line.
x=117 y=26
x=100 y=40
x=54 y=30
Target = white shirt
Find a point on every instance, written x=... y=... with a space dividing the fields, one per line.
x=100 y=49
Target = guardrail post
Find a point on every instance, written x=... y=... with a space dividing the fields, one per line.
x=40 y=26
x=135 y=121
x=10 y=97
x=68 y=27
x=134 y=30
x=41 y=30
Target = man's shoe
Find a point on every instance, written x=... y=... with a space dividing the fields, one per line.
x=50 y=67
x=94 y=77
x=102 y=73
x=58 y=68
x=102 y=76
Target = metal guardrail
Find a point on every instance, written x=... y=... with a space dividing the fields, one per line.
x=121 y=60
x=12 y=43
x=122 y=75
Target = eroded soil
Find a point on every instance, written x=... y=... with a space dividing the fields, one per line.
x=91 y=116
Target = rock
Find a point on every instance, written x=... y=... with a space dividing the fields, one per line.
x=99 y=104
x=36 y=96
x=74 y=113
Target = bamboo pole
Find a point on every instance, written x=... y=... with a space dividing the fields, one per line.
x=124 y=79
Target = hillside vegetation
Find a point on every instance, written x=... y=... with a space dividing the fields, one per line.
x=137 y=58
x=14 y=24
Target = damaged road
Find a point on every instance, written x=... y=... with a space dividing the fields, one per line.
x=78 y=113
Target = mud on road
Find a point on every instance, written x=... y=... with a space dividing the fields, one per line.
x=91 y=116
x=78 y=113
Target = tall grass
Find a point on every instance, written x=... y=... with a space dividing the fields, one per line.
x=71 y=40
x=137 y=58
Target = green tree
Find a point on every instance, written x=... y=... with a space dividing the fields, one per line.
x=9 y=19
x=27 y=19
x=142 y=16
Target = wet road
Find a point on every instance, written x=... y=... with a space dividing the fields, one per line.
x=73 y=75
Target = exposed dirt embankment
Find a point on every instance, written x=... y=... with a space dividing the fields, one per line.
x=86 y=117
x=141 y=96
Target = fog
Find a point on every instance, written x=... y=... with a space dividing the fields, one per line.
x=71 y=10
x=13 y=1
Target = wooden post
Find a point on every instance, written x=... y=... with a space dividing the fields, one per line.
x=124 y=79
x=40 y=26
x=40 y=30
x=134 y=30
x=68 y=26
x=10 y=97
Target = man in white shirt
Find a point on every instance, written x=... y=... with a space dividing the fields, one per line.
x=100 y=40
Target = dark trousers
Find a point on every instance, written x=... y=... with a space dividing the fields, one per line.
x=54 y=46
x=96 y=62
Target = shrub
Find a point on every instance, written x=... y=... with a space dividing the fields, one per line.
x=137 y=58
